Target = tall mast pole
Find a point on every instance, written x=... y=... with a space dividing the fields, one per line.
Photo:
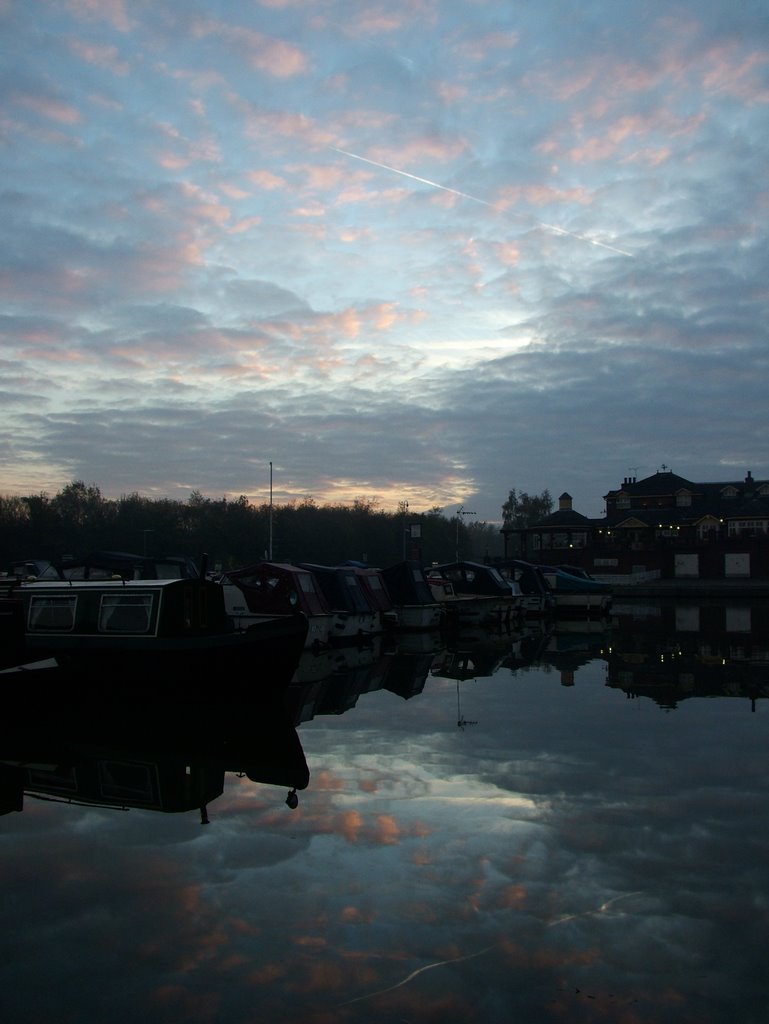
x=269 y=548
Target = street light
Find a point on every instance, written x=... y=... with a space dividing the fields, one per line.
x=460 y=512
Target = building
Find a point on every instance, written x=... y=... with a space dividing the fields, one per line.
x=663 y=523
x=562 y=531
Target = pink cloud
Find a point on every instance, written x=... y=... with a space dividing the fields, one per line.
x=384 y=316
x=246 y=224
x=479 y=47
x=48 y=106
x=111 y=11
x=266 y=180
x=106 y=57
x=409 y=156
x=232 y=191
x=508 y=254
x=605 y=145
x=731 y=73
x=376 y=18
x=540 y=195
x=273 y=56
x=261 y=124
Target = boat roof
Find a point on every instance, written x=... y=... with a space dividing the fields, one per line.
x=114 y=584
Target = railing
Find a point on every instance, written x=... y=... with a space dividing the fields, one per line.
x=627 y=579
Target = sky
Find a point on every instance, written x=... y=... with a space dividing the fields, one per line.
x=420 y=251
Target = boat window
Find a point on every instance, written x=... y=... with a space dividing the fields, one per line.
x=130 y=781
x=168 y=571
x=125 y=613
x=99 y=572
x=54 y=613
x=307 y=583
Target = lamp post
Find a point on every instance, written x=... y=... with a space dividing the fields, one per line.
x=269 y=545
x=460 y=512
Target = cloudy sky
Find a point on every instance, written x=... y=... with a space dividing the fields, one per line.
x=422 y=250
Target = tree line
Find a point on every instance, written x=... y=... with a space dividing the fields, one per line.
x=233 y=532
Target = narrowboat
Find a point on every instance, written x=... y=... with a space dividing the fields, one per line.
x=172 y=630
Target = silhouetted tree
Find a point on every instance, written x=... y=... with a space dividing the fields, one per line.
x=526 y=509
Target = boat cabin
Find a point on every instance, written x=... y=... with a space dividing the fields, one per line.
x=341 y=587
x=375 y=589
x=477 y=579
x=407 y=584
x=274 y=588
x=109 y=612
x=104 y=565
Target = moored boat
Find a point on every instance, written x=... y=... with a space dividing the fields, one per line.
x=415 y=604
x=270 y=589
x=536 y=596
x=353 y=615
x=479 y=593
x=575 y=590
x=373 y=584
x=155 y=630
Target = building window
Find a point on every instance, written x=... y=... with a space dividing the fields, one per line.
x=746 y=526
x=683 y=500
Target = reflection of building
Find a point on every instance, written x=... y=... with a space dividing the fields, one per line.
x=663 y=523
x=674 y=651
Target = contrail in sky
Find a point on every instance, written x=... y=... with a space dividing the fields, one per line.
x=465 y=195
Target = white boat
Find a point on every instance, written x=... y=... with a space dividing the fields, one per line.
x=476 y=594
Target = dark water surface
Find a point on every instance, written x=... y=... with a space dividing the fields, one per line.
x=564 y=827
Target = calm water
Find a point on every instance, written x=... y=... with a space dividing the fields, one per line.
x=565 y=827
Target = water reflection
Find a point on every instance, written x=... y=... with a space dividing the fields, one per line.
x=672 y=652
x=164 y=756
x=491 y=831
